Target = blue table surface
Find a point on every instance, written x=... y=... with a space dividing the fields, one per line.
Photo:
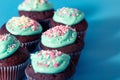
x=100 y=58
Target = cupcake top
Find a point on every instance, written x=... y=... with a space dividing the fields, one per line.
x=49 y=61
x=23 y=26
x=68 y=16
x=59 y=36
x=35 y=5
x=8 y=45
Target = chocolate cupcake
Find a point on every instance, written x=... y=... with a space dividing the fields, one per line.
x=64 y=39
x=39 y=10
x=13 y=58
x=49 y=65
x=72 y=17
x=26 y=30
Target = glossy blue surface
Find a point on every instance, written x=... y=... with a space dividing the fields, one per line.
x=100 y=58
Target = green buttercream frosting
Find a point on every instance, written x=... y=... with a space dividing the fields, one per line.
x=35 y=5
x=23 y=26
x=49 y=61
x=68 y=16
x=8 y=45
x=59 y=36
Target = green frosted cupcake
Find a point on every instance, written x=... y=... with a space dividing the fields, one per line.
x=13 y=58
x=26 y=30
x=49 y=65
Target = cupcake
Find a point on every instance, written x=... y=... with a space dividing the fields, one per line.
x=49 y=65
x=39 y=10
x=71 y=17
x=64 y=39
x=13 y=58
x=26 y=30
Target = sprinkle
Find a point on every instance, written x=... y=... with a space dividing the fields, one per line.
x=52 y=55
x=56 y=65
x=40 y=64
x=46 y=65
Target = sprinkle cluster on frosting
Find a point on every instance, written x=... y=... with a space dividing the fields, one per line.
x=8 y=45
x=39 y=2
x=60 y=30
x=59 y=36
x=68 y=16
x=23 y=26
x=37 y=5
x=4 y=37
x=24 y=22
x=52 y=61
x=68 y=12
x=48 y=55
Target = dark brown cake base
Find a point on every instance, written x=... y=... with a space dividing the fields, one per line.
x=80 y=27
x=38 y=16
x=12 y=67
x=73 y=50
x=45 y=24
x=65 y=75
x=29 y=42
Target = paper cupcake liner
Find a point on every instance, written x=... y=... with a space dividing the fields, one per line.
x=31 y=46
x=13 y=72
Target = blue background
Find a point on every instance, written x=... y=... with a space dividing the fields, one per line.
x=100 y=58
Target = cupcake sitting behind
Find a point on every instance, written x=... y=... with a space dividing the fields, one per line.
x=71 y=17
x=39 y=10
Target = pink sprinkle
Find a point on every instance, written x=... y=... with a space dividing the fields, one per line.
x=52 y=55
x=27 y=1
x=3 y=37
x=46 y=65
x=34 y=28
x=38 y=54
x=59 y=53
x=40 y=64
x=73 y=15
x=56 y=65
